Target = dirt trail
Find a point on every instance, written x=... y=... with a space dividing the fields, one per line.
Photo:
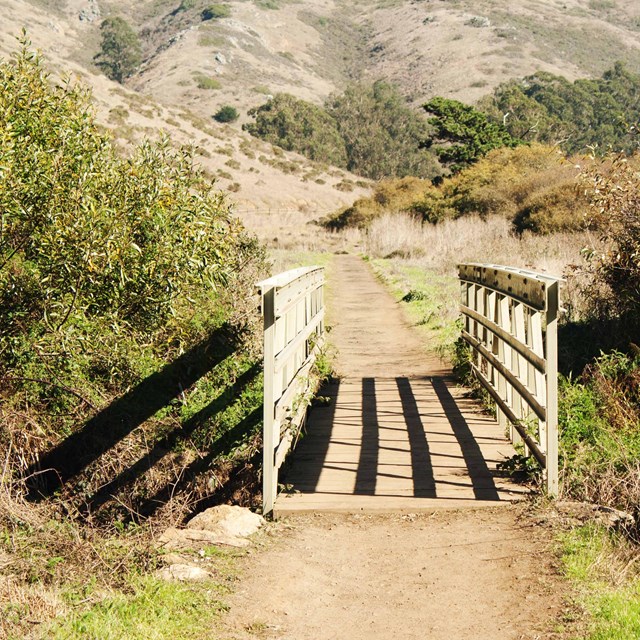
x=447 y=574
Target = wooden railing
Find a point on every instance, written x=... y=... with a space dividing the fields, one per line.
x=510 y=322
x=292 y=306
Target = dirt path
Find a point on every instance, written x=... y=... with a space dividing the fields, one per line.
x=452 y=574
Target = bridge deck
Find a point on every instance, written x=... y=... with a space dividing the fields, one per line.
x=397 y=434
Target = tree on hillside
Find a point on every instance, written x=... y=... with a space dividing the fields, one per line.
x=587 y=113
x=297 y=125
x=383 y=135
x=120 y=52
x=464 y=134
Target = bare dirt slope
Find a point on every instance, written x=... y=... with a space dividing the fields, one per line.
x=483 y=574
x=436 y=573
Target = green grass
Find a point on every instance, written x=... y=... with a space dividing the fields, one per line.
x=150 y=609
x=206 y=82
x=594 y=561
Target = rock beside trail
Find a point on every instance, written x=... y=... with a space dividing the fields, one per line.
x=232 y=520
x=183 y=573
x=222 y=525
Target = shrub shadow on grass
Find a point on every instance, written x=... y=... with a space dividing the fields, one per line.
x=579 y=343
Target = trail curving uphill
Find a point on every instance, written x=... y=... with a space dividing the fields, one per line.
x=435 y=573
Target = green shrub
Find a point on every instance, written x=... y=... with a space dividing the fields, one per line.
x=113 y=270
x=120 y=52
x=206 y=82
x=226 y=114
x=216 y=11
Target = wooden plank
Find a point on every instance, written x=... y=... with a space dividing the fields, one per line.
x=529 y=354
x=522 y=390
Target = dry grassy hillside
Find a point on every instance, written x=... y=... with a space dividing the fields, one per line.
x=456 y=48
x=261 y=179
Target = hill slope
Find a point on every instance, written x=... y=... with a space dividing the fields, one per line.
x=311 y=48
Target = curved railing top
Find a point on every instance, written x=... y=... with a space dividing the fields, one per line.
x=529 y=287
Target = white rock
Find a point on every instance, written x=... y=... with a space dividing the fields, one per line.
x=183 y=573
x=231 y=520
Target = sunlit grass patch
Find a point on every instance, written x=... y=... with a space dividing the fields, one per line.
x=150 y=609
x=604 y=572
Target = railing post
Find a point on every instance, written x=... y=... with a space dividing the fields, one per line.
x=553 y=304
x=290 y=325
x=269 y=477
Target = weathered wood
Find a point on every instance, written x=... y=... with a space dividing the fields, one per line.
x=518 y=308
x=293 y=325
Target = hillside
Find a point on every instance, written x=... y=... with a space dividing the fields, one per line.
x=456 y=48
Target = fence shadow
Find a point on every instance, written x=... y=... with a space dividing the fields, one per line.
x=115 y=422
x=381 y=437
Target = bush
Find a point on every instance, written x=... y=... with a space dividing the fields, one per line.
x=614 y=190
x=113 y=272
x=389 y=195
x=226 y=114
x=120 y=52
x=533 y=186
x=206 y=82
x=216 y=11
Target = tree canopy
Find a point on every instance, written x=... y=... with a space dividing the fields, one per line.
x=463 y=134
x=368 y=129
x=383 y=135
x=120 y=52
x=598 y=113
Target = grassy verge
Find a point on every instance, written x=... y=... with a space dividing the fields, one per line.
x=430 y=300
x=62 y=580
x=603 y=569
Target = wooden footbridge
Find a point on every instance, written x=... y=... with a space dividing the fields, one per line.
x=394 y=431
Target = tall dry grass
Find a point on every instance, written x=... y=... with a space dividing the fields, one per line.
x=472 y=239
x=440 y=248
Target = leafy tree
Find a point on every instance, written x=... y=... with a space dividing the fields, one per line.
x=120 y=52
x=297 y=125
x=383 y=136
x=463 y=134
x=226 y=114
x=587 y=113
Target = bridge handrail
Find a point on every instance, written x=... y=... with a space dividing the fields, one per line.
x=510 y=322
x=292 y=305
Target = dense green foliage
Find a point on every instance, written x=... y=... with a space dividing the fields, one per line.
x=383 y=136
x=368 y=129
x=226 y=114
x=120 y=51
x=587 y=113
x=117 y=276
x=296 y=125
x=463 y=134
x=216 y=11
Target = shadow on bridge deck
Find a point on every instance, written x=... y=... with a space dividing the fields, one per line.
x=403 y=443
